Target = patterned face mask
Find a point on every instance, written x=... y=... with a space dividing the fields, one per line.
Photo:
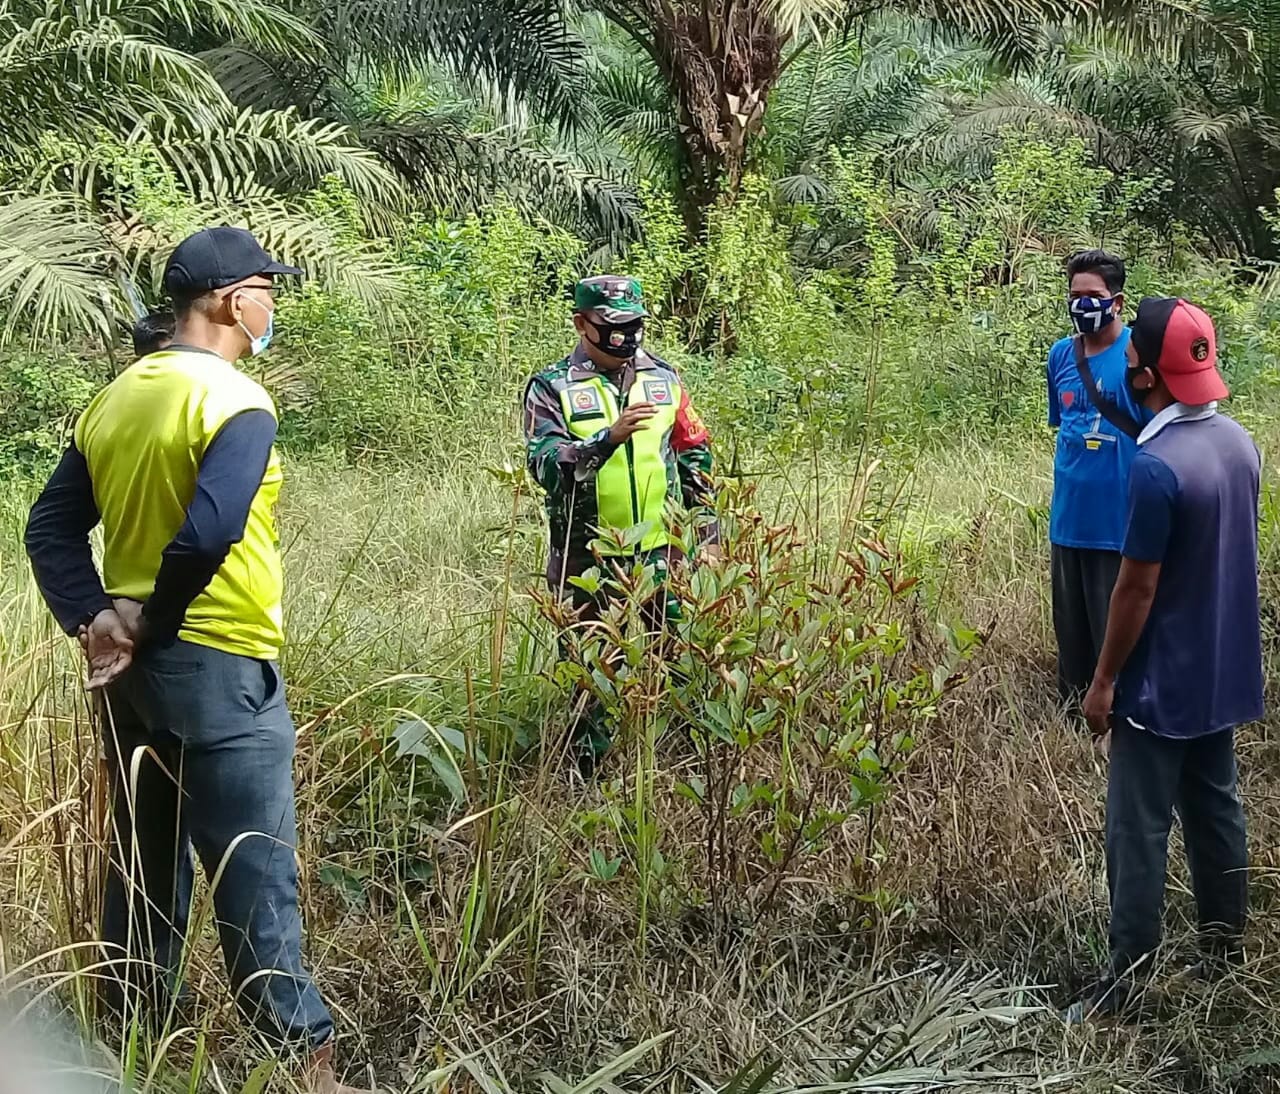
x=620 y=341
x=1089 y=314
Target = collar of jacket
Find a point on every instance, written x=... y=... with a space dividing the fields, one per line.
x=581 y=367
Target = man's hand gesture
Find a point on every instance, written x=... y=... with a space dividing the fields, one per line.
x=631 y=421
x=109 y=642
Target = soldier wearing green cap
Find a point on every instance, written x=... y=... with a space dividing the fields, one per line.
x=611 y=436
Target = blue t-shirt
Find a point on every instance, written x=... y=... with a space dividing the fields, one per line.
x=1091 y=466
x=1193 y=507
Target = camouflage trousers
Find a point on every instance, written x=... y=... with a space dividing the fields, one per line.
x=592 y=732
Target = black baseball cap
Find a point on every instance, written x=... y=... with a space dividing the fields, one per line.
x=217 y=257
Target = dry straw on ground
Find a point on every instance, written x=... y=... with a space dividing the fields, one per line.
x=477 y=945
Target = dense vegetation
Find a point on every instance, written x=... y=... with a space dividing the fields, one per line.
x=124 y=124
x=846 y=841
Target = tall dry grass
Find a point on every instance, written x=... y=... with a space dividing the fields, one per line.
x=462 y=916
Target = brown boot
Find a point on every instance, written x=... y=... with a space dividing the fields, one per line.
x=320 y=1076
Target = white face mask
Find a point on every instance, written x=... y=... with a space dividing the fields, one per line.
x=261 y=342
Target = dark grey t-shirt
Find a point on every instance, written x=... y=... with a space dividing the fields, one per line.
x=1193 y=507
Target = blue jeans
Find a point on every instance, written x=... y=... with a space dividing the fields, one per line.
x=199 y=746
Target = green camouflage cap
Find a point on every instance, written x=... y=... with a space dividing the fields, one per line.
x=614 y=299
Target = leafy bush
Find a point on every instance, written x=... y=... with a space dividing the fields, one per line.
x=802 y=684
x=40 y=395
x=912 y=329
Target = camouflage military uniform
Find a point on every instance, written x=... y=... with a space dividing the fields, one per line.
x=593 y=484
x=565 y=465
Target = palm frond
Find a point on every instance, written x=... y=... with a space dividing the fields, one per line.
x=52 y=261
x=1017 y=106
x=117 y=78
x=1010 y=28
x=459 y=157
x=295 y=235
x=258 y=80
x=256 y=24
x=521 y=46
x=576 y=192
x=807 y=189
x=1173 y=31
x=635 y=107
x=1197 y=126
x=290 y=229
x=276 y=147
x=815 y=17
x=444 y=161
x=864 y=93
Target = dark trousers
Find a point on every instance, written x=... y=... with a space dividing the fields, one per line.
x=1082 y=584
x=199 y=747
x=1150 y=776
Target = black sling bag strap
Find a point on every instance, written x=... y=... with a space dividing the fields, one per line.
x=1101 y=403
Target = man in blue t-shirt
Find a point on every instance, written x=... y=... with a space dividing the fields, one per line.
x=1181 y=665
x=1090 y=468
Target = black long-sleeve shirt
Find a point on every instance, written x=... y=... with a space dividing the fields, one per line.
x=57 y=537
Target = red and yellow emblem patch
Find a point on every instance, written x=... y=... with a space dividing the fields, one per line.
x=657 y=392
x=585 y=401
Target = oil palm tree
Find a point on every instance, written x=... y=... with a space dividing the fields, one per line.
x=460 y=144
x=720 y=61
x=1204 y=120
x=98 y=111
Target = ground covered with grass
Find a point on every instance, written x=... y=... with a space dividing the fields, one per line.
x=866 y=893
x=846 y=839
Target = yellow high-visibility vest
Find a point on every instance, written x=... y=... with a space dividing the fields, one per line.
x=632 y=484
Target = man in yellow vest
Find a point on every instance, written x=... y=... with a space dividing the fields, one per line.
x=182 y=631
x=611 y=436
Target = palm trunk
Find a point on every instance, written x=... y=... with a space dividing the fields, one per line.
x=721 y=58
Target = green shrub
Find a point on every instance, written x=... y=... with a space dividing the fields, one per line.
x=40 y=396
x=922 y=331
x=800 y=685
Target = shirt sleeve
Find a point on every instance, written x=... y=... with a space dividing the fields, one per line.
x=57 y=542
x=1153 y=493
x=229 y=478
x=554 y=457
x=1055 y=409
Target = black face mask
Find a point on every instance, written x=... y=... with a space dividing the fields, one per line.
x=1131 y=373
x=622 y=341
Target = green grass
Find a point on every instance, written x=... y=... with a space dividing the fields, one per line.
x=480 y=922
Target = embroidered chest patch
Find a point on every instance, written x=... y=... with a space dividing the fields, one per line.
x=657 y=392
x=585 y=401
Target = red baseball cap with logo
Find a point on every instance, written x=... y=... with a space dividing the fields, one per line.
x=1176 y=339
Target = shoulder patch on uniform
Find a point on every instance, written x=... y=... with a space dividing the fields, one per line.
x=552 y=373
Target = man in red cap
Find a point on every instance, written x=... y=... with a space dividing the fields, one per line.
x=1181 y=666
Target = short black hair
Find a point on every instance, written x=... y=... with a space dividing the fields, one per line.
x=153 y=332
x=1106 y=265
x=184 y=303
